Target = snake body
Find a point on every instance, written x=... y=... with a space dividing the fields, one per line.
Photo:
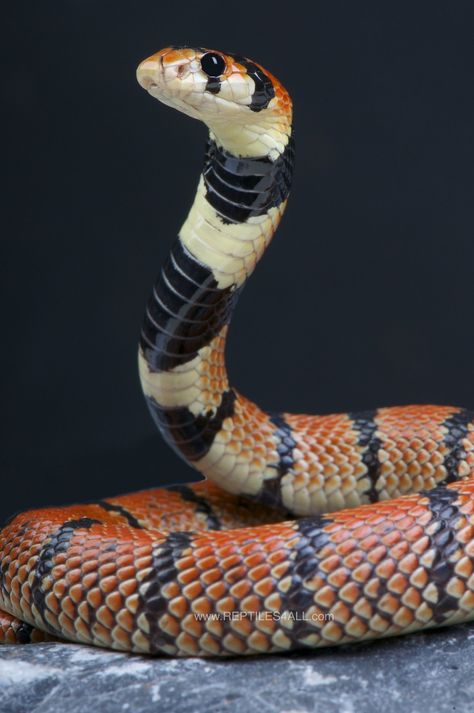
x=309 y=530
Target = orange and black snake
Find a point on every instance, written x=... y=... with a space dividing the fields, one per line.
x=256 y=559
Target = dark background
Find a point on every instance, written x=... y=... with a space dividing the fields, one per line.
x=366 y=296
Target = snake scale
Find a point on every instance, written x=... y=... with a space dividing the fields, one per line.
x=309 y=530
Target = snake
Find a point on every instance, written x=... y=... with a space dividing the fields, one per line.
x=307 y=531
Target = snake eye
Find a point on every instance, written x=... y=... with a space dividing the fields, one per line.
x=212 y=64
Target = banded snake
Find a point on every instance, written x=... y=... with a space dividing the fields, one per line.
x=309 y=530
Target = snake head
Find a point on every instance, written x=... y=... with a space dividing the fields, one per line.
x=212 y=86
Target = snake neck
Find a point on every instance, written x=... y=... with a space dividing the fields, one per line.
x=239 y=202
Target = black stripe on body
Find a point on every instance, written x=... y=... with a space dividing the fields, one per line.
x=239 y=188
x=264 y=89
x=304 y=567
x=152 y=603
x=191 y=436
x=23 y=633
x=270 y=493
x=364 y=423
x=457 y=430
x=131 y=519
x=202 y=505
x=185 y=312
x=57 y=543
x=442 y=503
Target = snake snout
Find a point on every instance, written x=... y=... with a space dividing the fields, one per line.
x=148 y=73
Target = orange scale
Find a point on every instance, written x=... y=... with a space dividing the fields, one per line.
x=235 y=575
x=398 y=583
x=343 y=540
x=207 y=562
x=125 y=560
x=417 y=510
x=341 y=612
x=377 y=554
x=128 y=588
x=241 y=626
x=361 y=572
x=421 y=545
x=103 y=558
x=143 y=551
x=240 y=589
x=202 y=606
x=252 y=553
x=399 y=550
x=193 y=590
x=455 y=587
x=74 y=562
x=369 y=543
x=178 y=606
x=274 y=547
x=201 y=550
x=265 y=587
x=354 y=559
x=251 y=603
x=210 y=644
x=188 y=575
x=361 y=532
x=59 y=589
x=392 y=538
x=105 y=617
x=125 y=620
x=89 y=580
x=107 y=569
x=280 y=570
x=383 y=525
x=226 y=605
x=465 y=534
x=89 y=566
x=214 y=626
x=108 y=584
x=405 y=523
x=114 y=601
x=94 y=597
x=337 y=578
x=408 y=563
x=259 y=572
x=169 y=625
x=125 y=573
x=330 y=563
x=371 y=589
x=266 y=624
x=412 y=598
x=52 y=603
x=217 y=591
x=326 y=596
x=258 y=641
x=226 y=552
x=83 y=630
x=170 y=590
x=192 y=626
x=210 y=576
x=419 y=578
x=414 y=533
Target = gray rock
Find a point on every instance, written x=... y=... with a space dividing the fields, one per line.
x=425 y=672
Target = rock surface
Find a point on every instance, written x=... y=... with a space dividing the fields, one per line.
x=425 y=672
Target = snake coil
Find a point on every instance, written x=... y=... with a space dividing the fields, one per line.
x=383 y=540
